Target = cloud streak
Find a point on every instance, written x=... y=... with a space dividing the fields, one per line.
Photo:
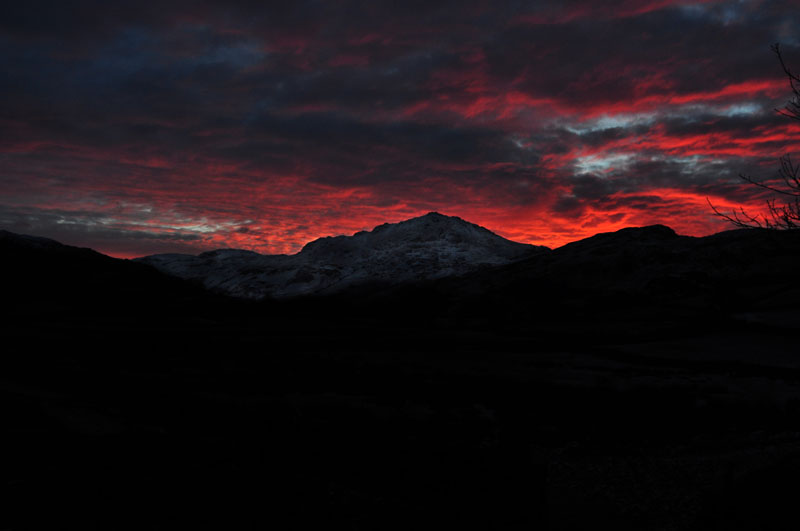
x=190 y=127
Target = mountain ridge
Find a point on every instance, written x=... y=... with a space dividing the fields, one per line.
x=422 y=248
x=732 y=268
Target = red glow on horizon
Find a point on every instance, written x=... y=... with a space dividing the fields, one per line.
x=264 y=130
x=685 y=212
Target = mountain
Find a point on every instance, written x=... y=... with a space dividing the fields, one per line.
x=439 y=264
x=44 y=280
x=427 y=247
x=639 y=281
x=655 y=262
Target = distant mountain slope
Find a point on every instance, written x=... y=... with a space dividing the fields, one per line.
x=654 y=259
x=44 y=279
x=647 y=267
x=424 y=248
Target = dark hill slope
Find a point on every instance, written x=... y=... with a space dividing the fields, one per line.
x=522 y=396
x=629 y=281
x=47 y=282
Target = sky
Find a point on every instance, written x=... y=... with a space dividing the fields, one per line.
x=137 y=128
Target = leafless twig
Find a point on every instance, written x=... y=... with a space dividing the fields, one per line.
x=785 y=216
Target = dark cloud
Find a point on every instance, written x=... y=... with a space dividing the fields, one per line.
x=265 y=124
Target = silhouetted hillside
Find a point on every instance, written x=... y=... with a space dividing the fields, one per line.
x=637 y=379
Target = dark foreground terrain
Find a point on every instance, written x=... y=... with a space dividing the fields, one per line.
x=631 y=381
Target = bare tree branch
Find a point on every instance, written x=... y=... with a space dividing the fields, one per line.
x=785 y=216
x=792 y=108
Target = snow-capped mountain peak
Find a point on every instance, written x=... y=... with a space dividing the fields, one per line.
x=421 y=248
